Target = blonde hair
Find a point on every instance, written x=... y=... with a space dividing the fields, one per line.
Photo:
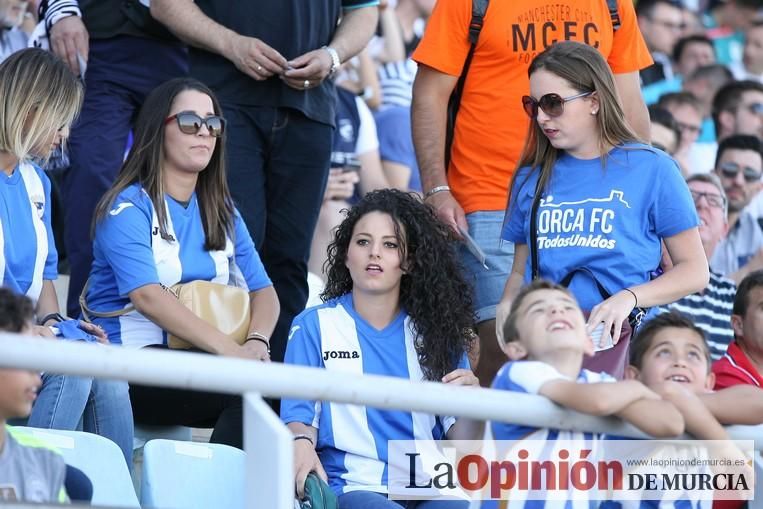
x=39 y=95
x=584 y=69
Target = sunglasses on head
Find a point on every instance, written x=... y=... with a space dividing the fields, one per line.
x=731 y=170
x=190 y=123
x=551 y=104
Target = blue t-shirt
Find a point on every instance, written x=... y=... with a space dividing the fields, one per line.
x=26 y=239
x=129 y=253
x=352 y=439
x=609 y=220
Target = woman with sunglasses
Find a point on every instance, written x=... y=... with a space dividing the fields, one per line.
x=605 y=201
x=40 y=100
x=169 y=218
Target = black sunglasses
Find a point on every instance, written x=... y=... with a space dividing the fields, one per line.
x=190 y=123
x=551 y=104
x=731 y=170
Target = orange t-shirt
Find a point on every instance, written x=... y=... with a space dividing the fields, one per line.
x=492 y=126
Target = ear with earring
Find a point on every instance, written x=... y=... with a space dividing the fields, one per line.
x=594 y=112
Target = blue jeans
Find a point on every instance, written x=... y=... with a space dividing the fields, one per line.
x=102 y=405
x=371 y=500
x=278 y=162
x=485 y=228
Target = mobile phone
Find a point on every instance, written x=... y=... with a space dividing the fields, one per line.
x=352 y=163
x=601 y=340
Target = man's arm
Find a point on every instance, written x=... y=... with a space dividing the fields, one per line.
x=249 y=54
x=429 y=109
x=636 y=112
x=740 y=404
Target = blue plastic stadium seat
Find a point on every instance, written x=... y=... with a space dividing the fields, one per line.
x=99 y=458
x=188 y=475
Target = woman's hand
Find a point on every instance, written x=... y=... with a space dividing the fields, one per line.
x=256 y=350
x=306 y=461
x=613 y=312
x=461 y=377
x=95 y=330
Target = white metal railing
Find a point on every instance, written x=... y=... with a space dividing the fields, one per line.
x=269 y=469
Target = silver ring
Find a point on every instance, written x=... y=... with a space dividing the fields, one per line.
x=259 y=68
x=306 y=84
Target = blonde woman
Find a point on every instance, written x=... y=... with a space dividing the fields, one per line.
x=39 y=99
x=594 y=203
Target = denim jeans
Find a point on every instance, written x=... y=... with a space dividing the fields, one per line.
x=278 y=162
x=371 y=500
x=102 y=405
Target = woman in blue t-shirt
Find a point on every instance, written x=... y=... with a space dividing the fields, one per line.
x=40 y=98
x=395 y=305
x=605 y=203
x=169 y=218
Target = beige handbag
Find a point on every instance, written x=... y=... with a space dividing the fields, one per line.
x=224 y=307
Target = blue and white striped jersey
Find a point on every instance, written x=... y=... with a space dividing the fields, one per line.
x=28 y=252
x=352 y=439
x=129 y=253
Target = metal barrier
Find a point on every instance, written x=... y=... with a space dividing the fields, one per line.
x=270 y=468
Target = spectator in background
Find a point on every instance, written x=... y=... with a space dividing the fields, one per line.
x=726 y=22
x=470 y=193
x=665 y=133
x=751 y=66
x=710 y=309
x=687 y=112
x=124 y=54
x=739 y=165
x=738 y=109
x=661 y=23
x=743 y=362
x=692 y=52
x=12 y=38
x=269 y=63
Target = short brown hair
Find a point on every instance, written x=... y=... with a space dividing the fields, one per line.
x=643 y=340
x=510 y=332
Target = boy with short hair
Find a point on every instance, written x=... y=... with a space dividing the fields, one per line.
x=29 y=471
x=670 y=356
x=545 y=339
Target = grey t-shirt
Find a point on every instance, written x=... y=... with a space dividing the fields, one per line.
x=30 y=471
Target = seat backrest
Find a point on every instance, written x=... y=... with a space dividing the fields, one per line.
x=99 y=458
x=191 y=475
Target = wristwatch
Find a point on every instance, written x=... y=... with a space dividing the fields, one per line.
x=335 y=62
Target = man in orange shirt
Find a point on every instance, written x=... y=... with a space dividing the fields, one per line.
x=492 y=126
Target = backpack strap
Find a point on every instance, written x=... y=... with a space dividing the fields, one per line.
x=612 y=6
x=479 y=8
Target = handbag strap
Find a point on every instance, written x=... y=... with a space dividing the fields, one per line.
x=534 y=266
x=87 y=312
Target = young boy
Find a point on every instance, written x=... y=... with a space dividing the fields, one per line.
x=29 y=471
x=671 y=357
x=545 y=340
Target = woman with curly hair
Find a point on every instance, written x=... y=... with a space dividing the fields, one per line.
x=395 y=305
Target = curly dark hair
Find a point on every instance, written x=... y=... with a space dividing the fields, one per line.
x=433 y=292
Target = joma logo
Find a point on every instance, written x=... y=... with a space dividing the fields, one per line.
x=340 y=354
